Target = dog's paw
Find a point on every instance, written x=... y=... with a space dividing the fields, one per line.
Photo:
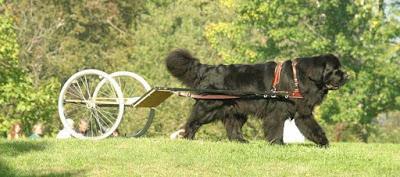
x=177 y=135
x=242 y=140
x=323 y=145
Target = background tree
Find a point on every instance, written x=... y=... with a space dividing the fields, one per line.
x=56 y=39
x=20 y=100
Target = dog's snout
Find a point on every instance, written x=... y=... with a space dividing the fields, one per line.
x=346 y=77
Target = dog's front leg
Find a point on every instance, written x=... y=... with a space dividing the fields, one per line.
x=309 y=127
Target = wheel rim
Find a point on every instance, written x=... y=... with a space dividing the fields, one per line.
x=76 y=102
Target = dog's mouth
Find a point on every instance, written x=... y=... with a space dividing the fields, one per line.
x=331 y=87
x=336 y=85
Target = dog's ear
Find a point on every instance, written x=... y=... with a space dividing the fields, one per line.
x=322 y=67
x=313 y=67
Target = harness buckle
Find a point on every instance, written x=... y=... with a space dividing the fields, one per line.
x=273 y=93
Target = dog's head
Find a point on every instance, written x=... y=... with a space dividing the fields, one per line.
x=333 y=76
x=326 y=71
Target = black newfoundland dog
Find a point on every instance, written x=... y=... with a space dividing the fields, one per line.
x=316 y=76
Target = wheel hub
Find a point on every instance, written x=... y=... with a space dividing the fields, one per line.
x=91 y=104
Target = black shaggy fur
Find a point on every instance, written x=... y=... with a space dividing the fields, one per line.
x=317 y=75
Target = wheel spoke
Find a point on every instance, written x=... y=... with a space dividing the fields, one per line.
x=80 y=91
x=100 y=120
x=105 y=113
x=129 y=92
x=73 y=94
x=105 y=116
x=123 y=86
x=102 y=93
x=97 y=118
x=74 y=109
x=91 y=123
x=86 y=85
x=112 y=90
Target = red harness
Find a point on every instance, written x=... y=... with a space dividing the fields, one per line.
x=296 y=92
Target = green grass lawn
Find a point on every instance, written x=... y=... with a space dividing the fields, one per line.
x=163 y=157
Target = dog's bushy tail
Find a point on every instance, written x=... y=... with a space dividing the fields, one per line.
x=182 y=65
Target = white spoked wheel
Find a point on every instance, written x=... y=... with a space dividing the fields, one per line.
x=86 y=115
x=136 y=121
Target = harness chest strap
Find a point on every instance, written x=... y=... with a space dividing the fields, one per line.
x=277 y=76
x=296 y=92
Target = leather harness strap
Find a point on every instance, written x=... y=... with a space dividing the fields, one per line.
x=277 y=76
x=296 y=92
x=207 y=97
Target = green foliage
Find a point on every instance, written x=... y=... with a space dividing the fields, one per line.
x=9 y=73
x=62 y=37
x=58 y=38
x=8 y=49
x=20 y=100
x=359 y=32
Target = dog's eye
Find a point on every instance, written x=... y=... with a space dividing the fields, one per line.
x=338 y=73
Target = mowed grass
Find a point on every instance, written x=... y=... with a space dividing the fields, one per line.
x=163 y=157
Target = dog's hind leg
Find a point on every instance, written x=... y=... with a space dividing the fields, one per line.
x=309 y=127
x=203 y=112
x=233 y=124
x=273 y=127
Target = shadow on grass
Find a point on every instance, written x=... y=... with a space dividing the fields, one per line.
x=6 y=171
x=301 y=145
x=15 y=148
